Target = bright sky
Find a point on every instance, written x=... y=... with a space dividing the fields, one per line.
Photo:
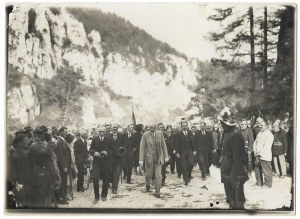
x=181 y=25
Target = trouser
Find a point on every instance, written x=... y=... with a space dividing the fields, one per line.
x=136 y=158
x=178 y=167
x=187 y=164
x=235 y=196
x=250 y=162
x=80 y=176
x=172 y=162
x=117 y=173
x=163 y=171
x=203 y=162
x=39 y=196
x=62 y=192
x=102 y=173
x=127 y=169
x=150 y=169
x=280 y=165
x=263 y=168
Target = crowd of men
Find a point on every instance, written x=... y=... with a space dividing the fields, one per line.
x=44 y=162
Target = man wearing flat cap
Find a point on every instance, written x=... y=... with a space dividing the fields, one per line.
x=234 y=161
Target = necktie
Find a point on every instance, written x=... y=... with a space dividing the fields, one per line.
x=115 y=137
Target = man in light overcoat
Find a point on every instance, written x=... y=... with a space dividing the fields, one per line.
x=154 y=153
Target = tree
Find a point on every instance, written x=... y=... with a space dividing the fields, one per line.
x=234 y=35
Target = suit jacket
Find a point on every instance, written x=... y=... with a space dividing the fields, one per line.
x=137 y=139
x=129 y=142
x=205 y=141
x=98 y=146
x=63 y=154
x=116 y=144
x=80 y=151
x=184 y=143
x=146 y=147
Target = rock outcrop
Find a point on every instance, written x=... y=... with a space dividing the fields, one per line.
x=42 y=39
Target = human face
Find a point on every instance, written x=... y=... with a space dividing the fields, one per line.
x=161 y=128
x=101 y=132
x=152 y=128
x=184 y=126
x=115 y=129
x=243 y=125
x=262 y=126
x=130 y=128
x=64 y=133
x=193 y=129
x=276 y=128
x=202 y=126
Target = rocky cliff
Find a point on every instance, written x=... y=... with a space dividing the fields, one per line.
x=42 y=39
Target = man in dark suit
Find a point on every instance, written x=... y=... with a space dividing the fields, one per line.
x=103 y=154
x=185 y=150
x=81 y=154
x=174 y=160
x=130 y=146
x=63 y=155
x=161 y=128
x=204 y=150
x=137 y=140
x=119 y=159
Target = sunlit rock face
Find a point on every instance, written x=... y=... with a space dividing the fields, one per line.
x=41 y=40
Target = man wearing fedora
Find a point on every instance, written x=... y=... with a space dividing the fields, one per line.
x=234 y=161
x=154 y=152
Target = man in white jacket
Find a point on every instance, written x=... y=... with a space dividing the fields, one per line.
x=262 y=149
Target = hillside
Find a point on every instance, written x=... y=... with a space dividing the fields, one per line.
x=84 y=67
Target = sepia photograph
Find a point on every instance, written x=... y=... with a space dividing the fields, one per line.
x=151 y=107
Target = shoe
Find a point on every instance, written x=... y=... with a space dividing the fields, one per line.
x=114 y=191
x=62 y=201
x=191 y=177
x=103 y=199
x=258 y=184
x=157 y=195
x=148 y=188
x=179 y=177
x=204 y=178
x=124 y=177
x=163 y=184
x=96 y=200
x=186 y=183
x=267 y=186
x=81 y=190
x=129 y=182
x=172 y=172
x=208 y=174
x=167 y=171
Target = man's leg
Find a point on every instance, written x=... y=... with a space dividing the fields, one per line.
x=258 y=174
x=206 y=161
x=158 y=178
x=163 y=172
x=282 y=164
x=229 y=192
x=201 y=163
x=117 y=173
x=184 y=167
x=130 y=161
x=276 y=163
x=80 y=177
x=96 y=178
x=239 y=197
x=250 y=165
x=149 y=173
x=178 y=167
x=172 y=163
x=105 y=179
x=190 y=160
x=267 y=170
